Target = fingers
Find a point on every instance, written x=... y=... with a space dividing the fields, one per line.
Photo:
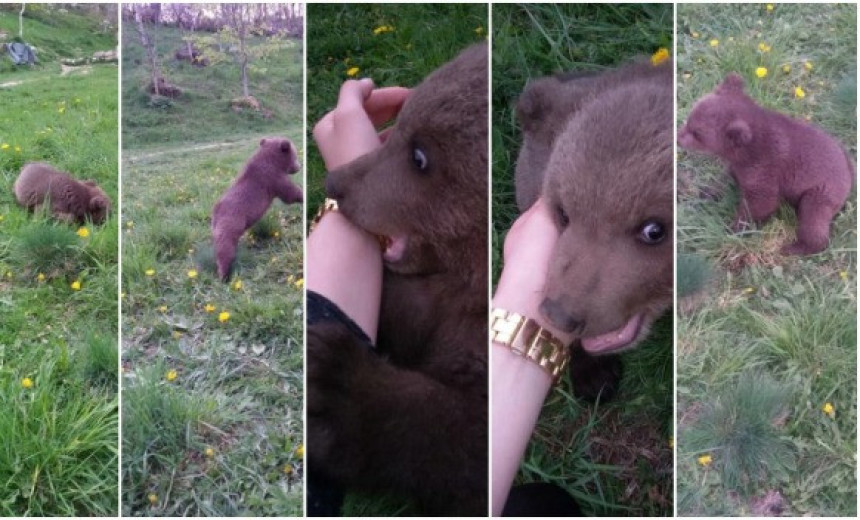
x=383 y=104
x=353 y=93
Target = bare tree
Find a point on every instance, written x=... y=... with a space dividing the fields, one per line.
x=148 y=44
x=21 y=22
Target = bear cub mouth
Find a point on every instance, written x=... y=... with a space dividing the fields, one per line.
x=615 y=340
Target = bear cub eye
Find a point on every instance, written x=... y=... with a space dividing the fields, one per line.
x=419 y=159
x=652 y=232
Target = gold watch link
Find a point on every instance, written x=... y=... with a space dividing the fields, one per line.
x=525 y=337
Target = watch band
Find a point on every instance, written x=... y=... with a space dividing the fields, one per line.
x=331 y=205
x=327 y=205
x=525 y=337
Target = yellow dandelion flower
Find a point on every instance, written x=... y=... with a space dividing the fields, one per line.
x=83 y=232
x=352 y=72
x=209 y=452
x=842 y=274
x=694 y=34
x=129 y=224
x=300 y=451
x=27 y=382
x=62 y=110
x=17 y=149
x=769 y=7
x=4 y=146
x=276 y=234
x=162 y=308
x=761 y=72
x=799 y=93
x=171 y=375
x=300 y=283
x=76 y=285
x=763 y=47
x=177 y=334
x=288 y=469
x=714 y=42
x=237 y=285
x=153 y=498
x=40 y=277
x=290 y=278
x=807 y=65
x=705 y=460
x=224 y=316
x=660 y=56
x=786 y=69
x=479 y=31
x=829 y=410
x=192 y=273
x=149 y=272
x=749 y=290
x=209 y=308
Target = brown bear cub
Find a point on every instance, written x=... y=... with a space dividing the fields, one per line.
x=772 y=157
x=410 y=415
x=598 y=149
x=264 y=177
x=71 y=200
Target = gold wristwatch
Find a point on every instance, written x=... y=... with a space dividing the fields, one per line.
x=331 y=205
x=525 y=337
x=327 y=205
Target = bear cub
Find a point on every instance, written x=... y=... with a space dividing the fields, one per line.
x=71 y=200
x=263 y=178
x=772 y=157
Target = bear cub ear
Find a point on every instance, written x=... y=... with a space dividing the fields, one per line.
x=532 y=106
x=739 y=132
x=733 y=84
x=98 y=202
x=286 y=147
x=262 y=141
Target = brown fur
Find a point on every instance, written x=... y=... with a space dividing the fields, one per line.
x=264 y=177
x=608 y=175
x=71 y=200
x=413 y=419
x=772 y=157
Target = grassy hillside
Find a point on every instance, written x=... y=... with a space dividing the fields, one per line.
x=202 y=113
x=615 y=458
x=58 y=289
x=212 y=388
x=57 y=31
x=767 y=374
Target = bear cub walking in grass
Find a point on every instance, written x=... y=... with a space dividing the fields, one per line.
x=71 y=200
x=264 y=177
x=772 y=157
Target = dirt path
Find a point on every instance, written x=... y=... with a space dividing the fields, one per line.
x=132 y=157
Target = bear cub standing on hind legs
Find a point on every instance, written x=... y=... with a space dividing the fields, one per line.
x=772 y=157
x=71 y=200
x=264 y=177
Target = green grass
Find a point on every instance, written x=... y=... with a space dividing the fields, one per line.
x=425 y=37
x=785 y=323
x=614 y=458
x=276 y=82
x=222 y=438
x=59 y=454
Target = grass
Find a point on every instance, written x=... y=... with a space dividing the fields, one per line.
x=58 y=363
x=614 y=458
x=768 y=341
x=213 y=381
x=425 y=36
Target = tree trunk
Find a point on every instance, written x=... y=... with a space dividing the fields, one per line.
x=21 y=22
x=149 y=47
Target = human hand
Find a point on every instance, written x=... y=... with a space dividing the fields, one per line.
x=528 y=249
x=349 y=131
